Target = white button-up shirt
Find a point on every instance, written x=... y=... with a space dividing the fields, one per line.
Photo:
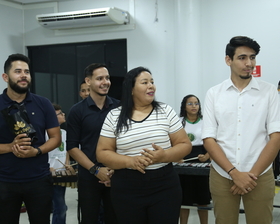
x=241 y=122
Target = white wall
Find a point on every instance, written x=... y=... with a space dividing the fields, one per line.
x=184 y=49
x=221 y=20
x=11 y=35
x=150 y=44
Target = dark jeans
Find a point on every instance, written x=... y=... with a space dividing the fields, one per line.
x=37 y=196
x=90 y=194
x=59 y=205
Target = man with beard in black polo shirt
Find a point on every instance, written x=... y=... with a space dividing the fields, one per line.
x=24 y=167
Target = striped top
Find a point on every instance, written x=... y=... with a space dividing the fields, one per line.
x=155 y=128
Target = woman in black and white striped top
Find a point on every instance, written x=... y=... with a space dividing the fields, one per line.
x=140 y=140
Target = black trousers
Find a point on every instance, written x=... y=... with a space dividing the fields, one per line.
x=90 y=194
x=37 y=196
x=153 y=197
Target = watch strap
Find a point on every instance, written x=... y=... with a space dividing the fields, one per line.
x=92 y=170
x=39 y=152
x=97 y=170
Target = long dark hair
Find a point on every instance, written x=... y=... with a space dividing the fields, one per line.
x=127 y=103
x=183 y=111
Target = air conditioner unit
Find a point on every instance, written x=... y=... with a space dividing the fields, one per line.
x=84 y=18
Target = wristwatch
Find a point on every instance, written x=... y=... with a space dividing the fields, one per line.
x=92 y=170
x=39 y=152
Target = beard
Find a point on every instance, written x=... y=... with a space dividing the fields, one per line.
x=248 y=76
x=100 y=94
x=20 y=90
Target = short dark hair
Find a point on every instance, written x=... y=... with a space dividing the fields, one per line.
x=183 y=112
x=240 y=41
x=83 y=82
x=90 y=68
x=127 y=103
x=56 y=106
x=12 y=58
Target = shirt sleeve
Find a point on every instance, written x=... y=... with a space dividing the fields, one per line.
x=175 y=123
x=273 y=118
x=110 y=124
x=74 y=124
x=209 y=128
x=51 y=118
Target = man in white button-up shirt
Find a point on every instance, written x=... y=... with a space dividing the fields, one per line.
x=242 y=135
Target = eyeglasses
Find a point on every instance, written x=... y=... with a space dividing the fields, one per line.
x=192 y=104
x=60 y=113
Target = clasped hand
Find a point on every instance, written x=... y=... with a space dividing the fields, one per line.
x=244 y=182
x=21 y=147
x=104 y=175
x=147 y=158
x=156 y=156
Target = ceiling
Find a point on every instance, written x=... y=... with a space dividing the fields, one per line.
x=35 y=1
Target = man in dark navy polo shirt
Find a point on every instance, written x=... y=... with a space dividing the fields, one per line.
x=84 y=124
x=24 y=168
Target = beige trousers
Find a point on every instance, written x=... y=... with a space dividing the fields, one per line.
x=258 y=204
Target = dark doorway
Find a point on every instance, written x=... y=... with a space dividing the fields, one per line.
x=57 y=70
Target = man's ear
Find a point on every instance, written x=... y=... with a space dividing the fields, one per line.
x=228 y=60
x=87 y=80
x=5 y=77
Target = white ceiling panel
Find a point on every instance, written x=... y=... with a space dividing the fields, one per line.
x=34 y=1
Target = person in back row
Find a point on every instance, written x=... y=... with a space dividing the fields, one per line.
x=59 y=161
x=84 y=90
x=195 y=188
x=83 y=128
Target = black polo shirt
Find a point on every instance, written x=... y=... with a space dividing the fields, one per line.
x=42 y=116
x=84 y=124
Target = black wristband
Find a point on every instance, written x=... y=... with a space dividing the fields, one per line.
x=92 y=170
x=39 y=151
x=231 y=170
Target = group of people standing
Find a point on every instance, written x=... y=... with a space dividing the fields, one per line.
x=125 y=149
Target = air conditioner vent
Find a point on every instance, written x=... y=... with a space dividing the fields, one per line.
x=84 y=18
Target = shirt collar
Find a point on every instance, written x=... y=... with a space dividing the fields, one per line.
x=198 y=119
x=108 y=102
x=253 y=84
x=8 y=100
